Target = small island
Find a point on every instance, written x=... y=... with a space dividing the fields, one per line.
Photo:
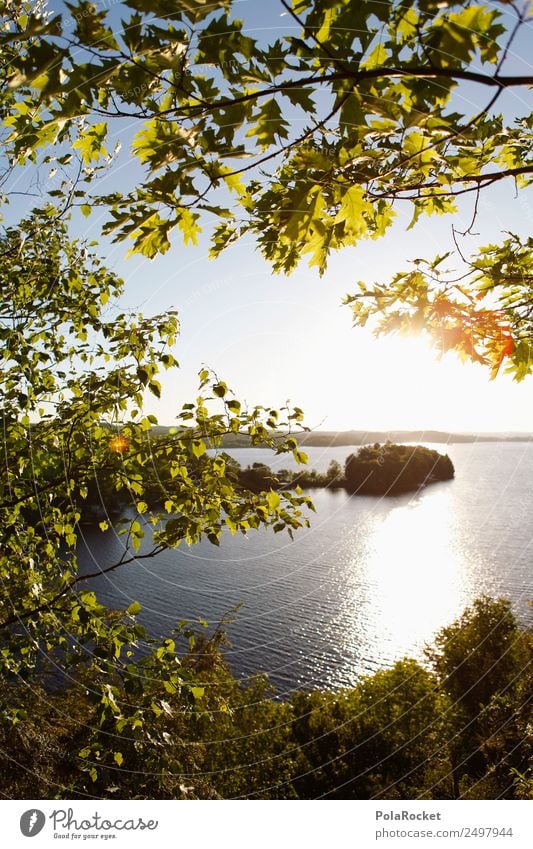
x=392 y=469
x=379 y=469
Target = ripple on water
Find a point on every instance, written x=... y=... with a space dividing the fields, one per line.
x=372 y=579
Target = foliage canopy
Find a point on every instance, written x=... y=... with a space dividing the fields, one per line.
x=310 y=141
x=397 y=734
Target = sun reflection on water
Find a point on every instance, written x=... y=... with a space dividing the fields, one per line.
x=414 y=572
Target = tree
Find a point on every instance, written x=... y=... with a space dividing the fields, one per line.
x=382 y=739
x=75 y=371
x=483 y=662
x=481 y=655
x=378 y=86
x=74 y=374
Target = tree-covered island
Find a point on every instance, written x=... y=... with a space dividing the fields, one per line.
x=379 y=469
x=391 y=469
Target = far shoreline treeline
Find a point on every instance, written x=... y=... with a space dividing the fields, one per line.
x=333 y=438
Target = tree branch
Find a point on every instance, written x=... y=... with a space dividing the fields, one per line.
x=355 y=76
x=49 y=605
x=479 y=181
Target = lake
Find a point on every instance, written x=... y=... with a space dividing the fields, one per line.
x=372 y=580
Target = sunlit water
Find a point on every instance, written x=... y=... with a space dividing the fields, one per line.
x=373 y=579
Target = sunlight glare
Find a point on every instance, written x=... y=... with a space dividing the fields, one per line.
x=412 y=555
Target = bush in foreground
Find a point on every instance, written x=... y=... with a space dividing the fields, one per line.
x=455 y=728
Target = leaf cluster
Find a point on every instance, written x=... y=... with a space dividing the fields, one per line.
x=75 y=371
x=309 y=142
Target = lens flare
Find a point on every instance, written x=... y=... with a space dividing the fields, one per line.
x=119 y=444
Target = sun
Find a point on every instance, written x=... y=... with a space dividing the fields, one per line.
x=403 y=383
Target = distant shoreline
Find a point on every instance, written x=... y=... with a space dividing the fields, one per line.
x=333 y=438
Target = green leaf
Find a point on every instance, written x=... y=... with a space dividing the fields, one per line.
x=198 y=448
x=352 y=211
x=220 y=389
x=90 y=143
x=188 y=224
x=155 y=388
x=273 y=500
x=377 y=57
x=198 y=692
x=301 y=97
x=270 y=124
